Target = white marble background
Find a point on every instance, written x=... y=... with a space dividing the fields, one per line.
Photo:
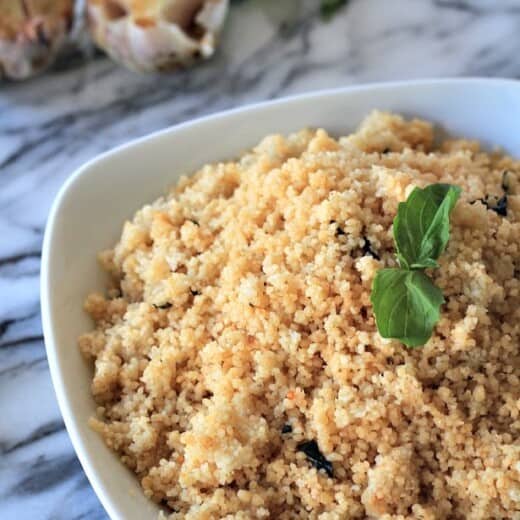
x=51 y=125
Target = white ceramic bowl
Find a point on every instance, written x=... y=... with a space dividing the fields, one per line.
x=90 y=209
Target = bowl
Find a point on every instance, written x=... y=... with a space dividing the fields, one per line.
x=90 y=209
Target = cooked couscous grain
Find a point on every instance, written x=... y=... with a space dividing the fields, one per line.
x=238 y=369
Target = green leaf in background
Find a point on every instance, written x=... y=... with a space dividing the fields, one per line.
x=422 y=225
x=328 y=8
x=406 y=305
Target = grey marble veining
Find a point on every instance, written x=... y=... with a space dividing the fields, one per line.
x=87 y=104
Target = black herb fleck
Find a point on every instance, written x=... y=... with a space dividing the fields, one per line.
x=498 y=205
x=315 y=457
x=286 y=428
x=339 y=231
x=368 y=251
x=194 y=221
x=163 y=306
x=385 y=151
x=505 y=182
x=195 y=292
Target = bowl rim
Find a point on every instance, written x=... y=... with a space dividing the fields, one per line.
x=67 y=411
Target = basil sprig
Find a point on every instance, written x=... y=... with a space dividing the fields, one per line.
x=406 y=302
x=422 y=225
x=406 y=305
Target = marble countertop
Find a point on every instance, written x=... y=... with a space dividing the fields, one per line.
x=87 y=104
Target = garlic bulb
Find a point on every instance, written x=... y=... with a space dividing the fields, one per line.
x=31 y=33
x=157 y=35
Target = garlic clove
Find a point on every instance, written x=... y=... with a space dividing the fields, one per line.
x=31 y=34
x=157 y=35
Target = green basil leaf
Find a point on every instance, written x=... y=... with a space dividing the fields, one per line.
x=422 y=225
x=406 y=305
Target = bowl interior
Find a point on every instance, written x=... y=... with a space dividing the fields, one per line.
x=89 y=212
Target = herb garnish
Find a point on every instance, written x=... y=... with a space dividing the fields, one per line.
x=339 y=231
x=495 y=203
x=498 y=205
x=406 y=302
x=367 y=249
x=328 y=8
x=166 y=305
x=315 y=457
x=286 y=428
x=422 y=225
x=505 y=182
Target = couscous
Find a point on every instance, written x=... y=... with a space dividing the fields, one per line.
x=238 y=370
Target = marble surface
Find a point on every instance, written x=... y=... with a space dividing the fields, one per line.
x=87 y=104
